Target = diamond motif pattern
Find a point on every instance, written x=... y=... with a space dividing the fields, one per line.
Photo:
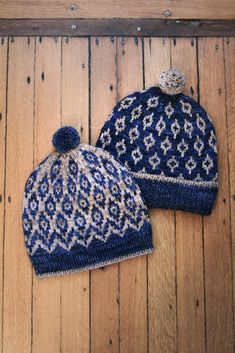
x=159 y=127
x=88 y=203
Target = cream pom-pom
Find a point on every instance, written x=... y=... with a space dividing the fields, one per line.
x=171 y=81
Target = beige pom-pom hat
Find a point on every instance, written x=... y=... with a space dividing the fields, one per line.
x=168 y=142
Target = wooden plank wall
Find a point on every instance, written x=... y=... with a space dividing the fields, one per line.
x=203 y=9
x=179 y=299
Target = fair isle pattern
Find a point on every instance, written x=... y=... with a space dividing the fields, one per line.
x=171 y=136
x=79 y=199
x=168 y=143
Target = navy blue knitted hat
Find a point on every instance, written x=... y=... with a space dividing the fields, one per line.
x=168 y=143
x=82 y=209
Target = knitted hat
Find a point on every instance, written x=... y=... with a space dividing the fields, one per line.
x=82 y=209
x=168 y=142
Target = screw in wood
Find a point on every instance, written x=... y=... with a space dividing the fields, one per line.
x=167 y=13
x=73 y=27
x=72 y=7
x=138 y=29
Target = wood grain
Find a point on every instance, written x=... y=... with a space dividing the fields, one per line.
x=104 y=281
x=229 y=51
x=161 y=264
x=114 y=9
x=189 y=244
x=116 y=27
x=217 y=232
x=75 y=112
x=3 y=87
x=19 y=163
x=178 y=299
x=46 y=292
x=133 y=275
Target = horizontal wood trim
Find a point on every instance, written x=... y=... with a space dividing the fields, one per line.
x=112 y=27
x=187 y=9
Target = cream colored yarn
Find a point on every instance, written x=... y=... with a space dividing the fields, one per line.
x=171 y=81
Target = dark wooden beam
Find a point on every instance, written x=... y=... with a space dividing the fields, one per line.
x=116 y=27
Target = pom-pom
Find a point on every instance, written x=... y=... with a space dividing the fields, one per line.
x=65 y=139
x=171 y=81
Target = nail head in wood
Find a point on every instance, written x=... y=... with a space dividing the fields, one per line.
x=167 y=13
x=72 y=7
x=138 y=29
x=73 y=27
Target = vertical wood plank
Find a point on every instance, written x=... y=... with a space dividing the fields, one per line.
x=3 y=92
x=19 y=164
x=217 y=235
x=229 y=55
x=104 y=282
x=46 y=292
x=75 y=112
x=189 y=242
x=161 y=263
x=133 y=274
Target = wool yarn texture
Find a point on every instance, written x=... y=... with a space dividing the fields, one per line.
x=82 y=209
x=168 y=142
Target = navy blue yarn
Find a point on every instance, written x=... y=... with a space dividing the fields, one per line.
x=58 y=206
x=65 y=139
x=81 y=258
x=178 y=196
x=141 y=98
